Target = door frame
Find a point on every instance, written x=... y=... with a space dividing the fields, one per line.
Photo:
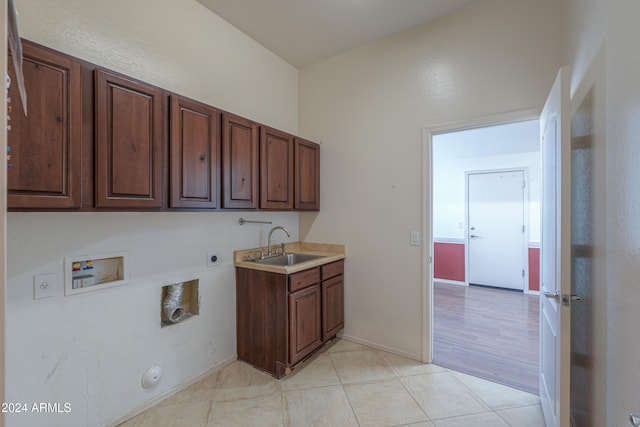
x=525 y=220
x=428 y=132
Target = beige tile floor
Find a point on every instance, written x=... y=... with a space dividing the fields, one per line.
x=346 y=385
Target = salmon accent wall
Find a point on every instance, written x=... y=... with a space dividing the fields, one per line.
x=448 y=263
x=534 y=269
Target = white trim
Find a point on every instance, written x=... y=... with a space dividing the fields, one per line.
x=427 y=203
x=427 y=248
x=377 y=346
x=455 y=240
x=450 y=282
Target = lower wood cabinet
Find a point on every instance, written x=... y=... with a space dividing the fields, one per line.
x=305 y=329
x=282 y=319
x=332 y=306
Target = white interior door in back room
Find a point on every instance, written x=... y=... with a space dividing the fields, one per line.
x=496 y=243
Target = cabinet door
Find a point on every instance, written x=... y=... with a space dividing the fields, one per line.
x=276 y=169
x=305 y=329
x=128 y=143
x=240 y=162
x=46 y=145
x=195 y=154
x=307 y=175
x=332 y=307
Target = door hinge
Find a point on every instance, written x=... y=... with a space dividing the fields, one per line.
x=524 y=184
x=523 y=228
x=523 y=272
x=430 y=260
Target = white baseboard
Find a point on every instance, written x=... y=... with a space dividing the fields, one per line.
x=450 y=282
x=412 y=356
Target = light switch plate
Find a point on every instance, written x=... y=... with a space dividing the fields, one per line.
x=415 y=238
x=44 y=286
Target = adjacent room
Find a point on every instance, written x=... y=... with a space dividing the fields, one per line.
x=486 y=228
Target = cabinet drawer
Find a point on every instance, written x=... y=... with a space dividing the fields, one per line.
x=332 y=270
x=303 y=279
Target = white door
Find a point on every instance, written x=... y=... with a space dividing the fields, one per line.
x=496 y=231
x=555 y=255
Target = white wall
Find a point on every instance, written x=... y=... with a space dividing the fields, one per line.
x=449 y=191
x=369 y=107
x=454 y=154
x=181 y=46
x=91 y=350
x=602 y=48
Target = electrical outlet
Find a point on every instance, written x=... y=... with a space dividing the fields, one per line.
x=213 y=259
x=44 y=286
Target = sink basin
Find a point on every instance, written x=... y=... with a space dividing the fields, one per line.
x=288 y=259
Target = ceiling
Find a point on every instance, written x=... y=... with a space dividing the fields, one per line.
x=303 y=32
x=498 y=140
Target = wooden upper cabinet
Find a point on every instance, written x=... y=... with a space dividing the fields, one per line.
x=307 y=175
x=195 y=154
x=276 y=169
x=46 y=145
x=240 y=162
x=128 y=143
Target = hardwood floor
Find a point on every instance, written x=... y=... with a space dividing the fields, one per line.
x=488 y=333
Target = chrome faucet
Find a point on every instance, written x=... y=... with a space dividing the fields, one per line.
x=277 y=227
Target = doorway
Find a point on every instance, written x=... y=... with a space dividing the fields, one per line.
x=470 y=166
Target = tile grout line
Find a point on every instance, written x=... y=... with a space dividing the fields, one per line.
x=355 y=416
x=478 y=398
x=210 y=419
x=282 y=404
x=424 y=411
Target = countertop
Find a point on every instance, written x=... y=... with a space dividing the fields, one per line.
x=329 y=253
